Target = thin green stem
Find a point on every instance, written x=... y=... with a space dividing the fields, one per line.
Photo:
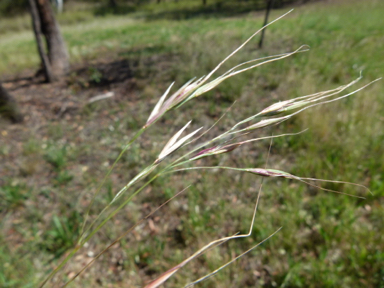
x=120 y=207
x=105 y=178
x=80 y=242
x=125 y=188
x=66 y=259
x=121 y=237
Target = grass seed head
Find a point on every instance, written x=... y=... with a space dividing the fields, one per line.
x=216 y=150
x=282 y=106
x=172 y=145
x=267 y=122
x=269 y=172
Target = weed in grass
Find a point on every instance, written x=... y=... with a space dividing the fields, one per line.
x=32 y=160
x=62 y=234
x=63 y=178
x=56 y=156
x=56 y=132
x=14 y=269
x=95 y=76
x=13 y=196
x=31 y=147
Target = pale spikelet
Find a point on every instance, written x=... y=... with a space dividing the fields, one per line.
x=267 y=122
x=233 y=71
x=184 y=93
x=159 y=104
x=270 y=173
x=304 y=102
x=177 y=97
x=215 y=151
x=278 y=173
x=172 y=145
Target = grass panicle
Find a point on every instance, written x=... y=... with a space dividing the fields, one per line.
x=167 y=162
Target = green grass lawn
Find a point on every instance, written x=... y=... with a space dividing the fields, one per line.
x=328 y=240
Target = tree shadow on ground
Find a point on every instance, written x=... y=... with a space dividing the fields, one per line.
x=103 y=73
x=122 y=9
x=133 y=63
x=213 y=9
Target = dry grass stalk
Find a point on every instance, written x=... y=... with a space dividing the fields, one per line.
x=215 y=146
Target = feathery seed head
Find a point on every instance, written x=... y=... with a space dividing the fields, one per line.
x=282 y=106
x=173 y=144
x=216 y=150
x=267 y=122
x=269 y=172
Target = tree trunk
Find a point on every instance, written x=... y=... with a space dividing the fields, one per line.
x=204 y=2
x=57 y=52
x=9 y=107
x=40 y=45
x=269 y=7
x=112 y=3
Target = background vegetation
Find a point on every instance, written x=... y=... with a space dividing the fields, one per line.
x=52 y=163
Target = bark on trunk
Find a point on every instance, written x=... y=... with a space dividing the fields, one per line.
x=9 y=107
x=40 y=45
x=57 y=52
